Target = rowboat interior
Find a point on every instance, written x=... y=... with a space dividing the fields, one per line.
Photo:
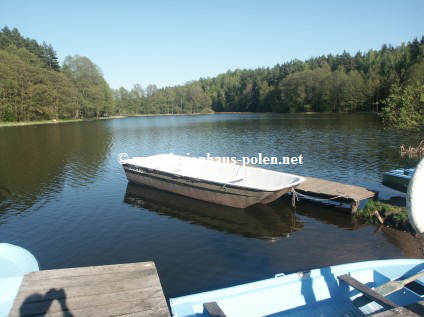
x=213 y=171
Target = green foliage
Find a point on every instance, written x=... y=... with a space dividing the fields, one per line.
x=44 y=52
x=405 y=107
x=33 y=87
x=393 y=216
x=95 y=95
x=188 y=99
x=338 y=83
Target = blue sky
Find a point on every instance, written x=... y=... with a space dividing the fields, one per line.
x=171 y=42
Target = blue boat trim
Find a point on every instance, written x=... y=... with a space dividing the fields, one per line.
x=14 y=263
x=305 y=294
x=398 y=179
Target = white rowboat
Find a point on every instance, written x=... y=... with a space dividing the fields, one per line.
x=216 y=182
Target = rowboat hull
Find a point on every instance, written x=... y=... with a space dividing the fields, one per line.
x=312 y=293
x=214 y=191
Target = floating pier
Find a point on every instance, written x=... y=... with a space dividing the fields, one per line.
x=113 y=290
x=329 y=190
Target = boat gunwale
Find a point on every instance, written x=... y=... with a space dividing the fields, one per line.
x=281 y=279
x=191 y=183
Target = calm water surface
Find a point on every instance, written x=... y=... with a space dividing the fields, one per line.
x=64 y=196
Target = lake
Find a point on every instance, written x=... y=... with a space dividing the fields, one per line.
x=65 y=197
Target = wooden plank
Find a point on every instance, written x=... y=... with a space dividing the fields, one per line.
x=329 y=196
x=368 y=292
x=396 y=312
x=113 y=308
x=68 y=281
x=37 y=307
x=160 y=312
x=212 y=309
x=311 y=181
x=333 y=189
x=90 y=270
x=113 y=290
x=103 y=286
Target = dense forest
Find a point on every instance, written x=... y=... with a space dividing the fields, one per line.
x=34 y=86
x=340 y=83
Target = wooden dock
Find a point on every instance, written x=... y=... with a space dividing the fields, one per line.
x=321 y=188
x=114 y=290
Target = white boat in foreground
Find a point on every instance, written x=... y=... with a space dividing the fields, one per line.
x=216 y=182
x=320 y=292
x=14 y=263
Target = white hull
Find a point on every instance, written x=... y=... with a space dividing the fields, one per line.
x=219 y=183
x=415 y=199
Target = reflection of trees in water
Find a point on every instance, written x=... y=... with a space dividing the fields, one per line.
x=258 y=221
x=36 y=160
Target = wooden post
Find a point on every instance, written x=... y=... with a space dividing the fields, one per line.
x=354 y=206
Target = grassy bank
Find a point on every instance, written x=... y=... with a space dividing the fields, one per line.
x=15 y=124
x=392 y=216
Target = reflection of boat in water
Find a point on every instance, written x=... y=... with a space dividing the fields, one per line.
x=208 y=180
x=258 y=221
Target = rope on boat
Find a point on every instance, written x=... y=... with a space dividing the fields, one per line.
x=295 y=196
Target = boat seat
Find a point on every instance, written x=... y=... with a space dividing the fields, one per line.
x=368 y=292
x=212 y=309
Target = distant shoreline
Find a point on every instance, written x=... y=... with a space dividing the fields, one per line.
x=306 y=113
x=27 y=123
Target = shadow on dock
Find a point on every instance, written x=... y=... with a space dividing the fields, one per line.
x=39 y=305
x=108 y=290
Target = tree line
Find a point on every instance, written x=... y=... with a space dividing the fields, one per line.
x=187 y=99
x=331 y=83
x=33 y=86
